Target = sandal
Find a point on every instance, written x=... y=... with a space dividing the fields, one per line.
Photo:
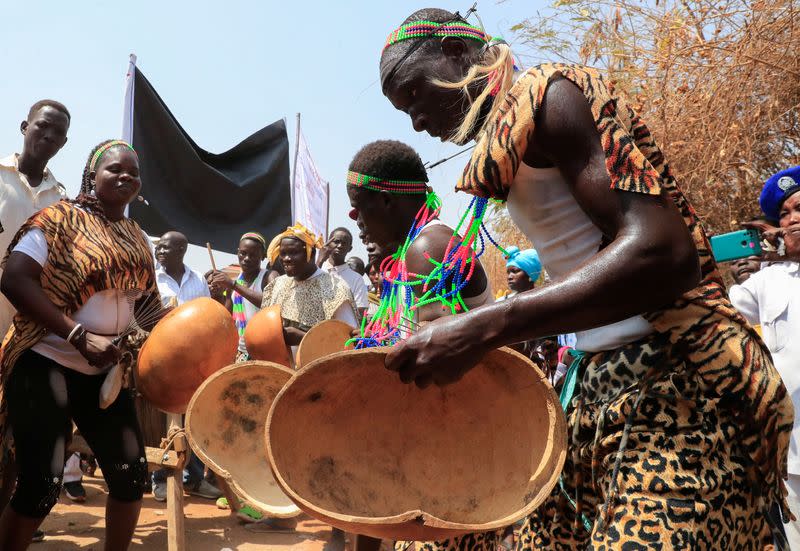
x=249 y=514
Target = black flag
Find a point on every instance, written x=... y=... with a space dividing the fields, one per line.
x=209 y=197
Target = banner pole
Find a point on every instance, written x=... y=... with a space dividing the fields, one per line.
x=327 y=209
x=294 y=175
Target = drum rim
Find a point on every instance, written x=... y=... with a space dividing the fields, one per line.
x=212 y=464
x=324 y=324
x=417 y=519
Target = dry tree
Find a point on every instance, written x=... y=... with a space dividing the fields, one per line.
x=717 y=82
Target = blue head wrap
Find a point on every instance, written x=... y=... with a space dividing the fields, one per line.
x=527 y=261
x=777 y=189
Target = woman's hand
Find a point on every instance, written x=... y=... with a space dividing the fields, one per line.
x=441 y=352
x=99 y=351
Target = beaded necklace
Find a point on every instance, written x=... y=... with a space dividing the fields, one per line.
x=444 y=284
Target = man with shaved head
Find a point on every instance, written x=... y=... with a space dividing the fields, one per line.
x=178 y=283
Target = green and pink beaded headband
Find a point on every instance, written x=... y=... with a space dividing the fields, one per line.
x=401 y=187
x=427 y=29
x=105 y=147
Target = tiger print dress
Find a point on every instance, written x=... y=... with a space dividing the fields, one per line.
x=86 y=254
x=676 y=441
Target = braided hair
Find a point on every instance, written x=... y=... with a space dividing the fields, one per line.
x=86 y=197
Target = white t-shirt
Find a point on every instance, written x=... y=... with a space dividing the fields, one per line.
x=107 y=312
x=771 y=298
x=192 y=285
x=542 y=206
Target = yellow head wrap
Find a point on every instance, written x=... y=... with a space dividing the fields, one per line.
x=298 y=231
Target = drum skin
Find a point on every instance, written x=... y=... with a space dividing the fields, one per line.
x=389 y=460
x=189 y=344
x=263 y=337
x=324 y=338
x=225 y=425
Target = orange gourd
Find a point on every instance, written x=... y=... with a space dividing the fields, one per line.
x=187 y=346
x=263 y=337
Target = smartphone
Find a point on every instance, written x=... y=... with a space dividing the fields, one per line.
x=735 y=245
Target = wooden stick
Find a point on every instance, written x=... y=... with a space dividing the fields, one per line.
x=176 y=530
x=211 y=256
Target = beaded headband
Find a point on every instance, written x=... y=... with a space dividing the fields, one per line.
x=400 y=187
x=105 y=147
x=257 y=237
x=427 y=29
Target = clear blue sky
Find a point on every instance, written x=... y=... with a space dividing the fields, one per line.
x=225 y=69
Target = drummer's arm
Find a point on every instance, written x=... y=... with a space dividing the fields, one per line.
x=254 y=296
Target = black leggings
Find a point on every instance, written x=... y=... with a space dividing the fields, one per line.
x=43 y=399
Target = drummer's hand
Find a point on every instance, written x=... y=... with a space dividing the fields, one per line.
x=99 y=351
x=293 y=335
x=219 y=280
x=441 y=352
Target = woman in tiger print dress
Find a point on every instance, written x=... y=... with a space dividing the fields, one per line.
x=678 y=422
x=71 y=265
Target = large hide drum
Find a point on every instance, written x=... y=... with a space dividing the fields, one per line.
x=324 y=338
x=386 y=459
x=263 y=337
x=190 y=343
x=225 y=423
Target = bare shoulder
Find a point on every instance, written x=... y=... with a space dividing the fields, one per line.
x=432 y=242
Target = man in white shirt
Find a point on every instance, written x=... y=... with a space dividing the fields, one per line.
x=332 y=260
x=178 y=283
x=770 y=298
x=26 y=185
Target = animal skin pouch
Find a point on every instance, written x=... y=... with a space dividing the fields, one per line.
x=112 y=385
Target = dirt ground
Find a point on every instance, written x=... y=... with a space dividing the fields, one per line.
x=81 y=526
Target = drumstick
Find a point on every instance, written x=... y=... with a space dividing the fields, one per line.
x=211 y=256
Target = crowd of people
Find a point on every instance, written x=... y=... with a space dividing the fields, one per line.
x=679 y=392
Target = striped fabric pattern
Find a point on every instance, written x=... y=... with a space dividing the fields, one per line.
x=239 y=317
x=86 y=255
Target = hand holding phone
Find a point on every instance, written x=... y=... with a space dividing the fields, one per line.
x=735 y=245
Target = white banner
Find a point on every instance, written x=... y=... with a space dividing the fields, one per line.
x=309 y=192
x=127 y=109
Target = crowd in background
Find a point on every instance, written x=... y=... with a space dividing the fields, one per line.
x=314 y=280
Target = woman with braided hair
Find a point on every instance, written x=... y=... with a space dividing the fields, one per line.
x=72 y=272
x=678 y=423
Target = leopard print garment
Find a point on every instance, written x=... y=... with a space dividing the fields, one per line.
x=678 y=441
x=654 y=461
